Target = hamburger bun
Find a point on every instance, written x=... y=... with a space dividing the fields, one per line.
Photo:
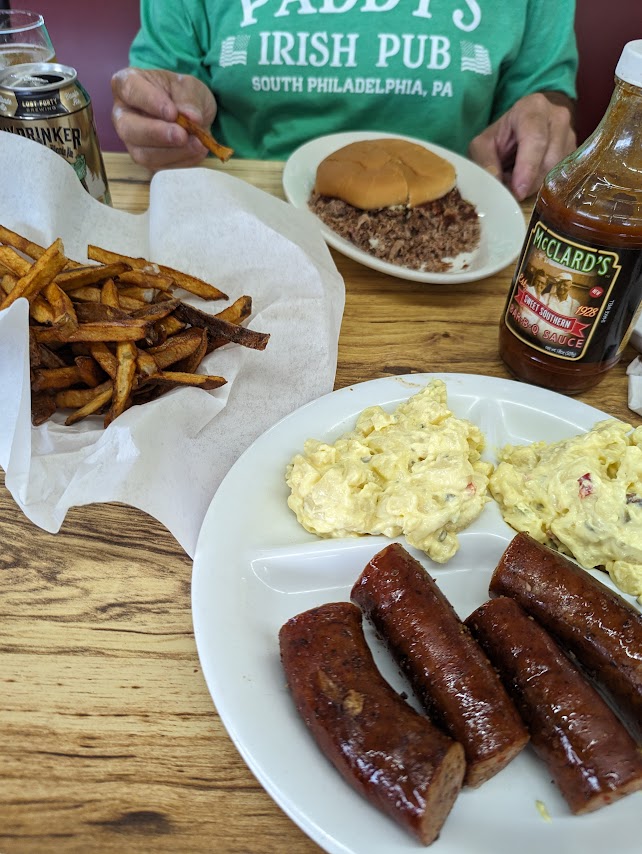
x=380 y=173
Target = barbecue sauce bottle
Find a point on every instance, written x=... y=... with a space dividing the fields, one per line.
x=577 y=288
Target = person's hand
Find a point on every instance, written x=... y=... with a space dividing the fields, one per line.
x=527 y=141
x=146 y=104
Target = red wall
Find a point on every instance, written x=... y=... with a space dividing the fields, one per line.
x=94 y=38
x=602 y=28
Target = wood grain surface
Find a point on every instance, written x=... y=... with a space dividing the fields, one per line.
x=109 y=741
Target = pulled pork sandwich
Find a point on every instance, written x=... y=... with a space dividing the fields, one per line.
x=398 y=201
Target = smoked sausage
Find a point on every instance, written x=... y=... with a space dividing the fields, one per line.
x=590 y=754
x=600 y=628
x=387 y=751
x=447 y=669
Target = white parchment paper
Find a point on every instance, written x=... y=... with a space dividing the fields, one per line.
x=168 y=457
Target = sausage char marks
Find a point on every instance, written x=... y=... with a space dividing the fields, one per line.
x=447 y=669
x=590 y=754
x=388 y=752
x=595 y=624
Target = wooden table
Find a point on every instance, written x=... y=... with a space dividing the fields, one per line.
x=109 y=740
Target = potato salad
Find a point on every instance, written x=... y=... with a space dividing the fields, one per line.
x=582 y=496
x=416 y=472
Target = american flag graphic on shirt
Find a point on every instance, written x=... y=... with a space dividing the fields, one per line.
x=475 y=57
x=234 y=51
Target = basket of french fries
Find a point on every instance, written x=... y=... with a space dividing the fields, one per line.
x=141 y=354
x=111 y=334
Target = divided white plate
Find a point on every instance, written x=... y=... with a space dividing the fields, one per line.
x=255 y=567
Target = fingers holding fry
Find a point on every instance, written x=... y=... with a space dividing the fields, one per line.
x=221 y=151
x=111 y=334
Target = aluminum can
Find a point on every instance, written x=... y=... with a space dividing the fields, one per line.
x=45 y=102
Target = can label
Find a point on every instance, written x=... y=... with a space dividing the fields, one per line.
x=46 y=103
x=571 y=300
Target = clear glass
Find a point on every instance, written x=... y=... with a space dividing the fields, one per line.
x=23 y=38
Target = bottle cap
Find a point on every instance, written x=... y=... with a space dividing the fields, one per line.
x=629 y=67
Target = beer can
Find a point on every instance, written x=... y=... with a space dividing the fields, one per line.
x=45 y=102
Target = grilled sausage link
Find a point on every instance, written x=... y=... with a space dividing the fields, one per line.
x=600 y=628
x=386 y=750
x=590 y=754
x=446 y=667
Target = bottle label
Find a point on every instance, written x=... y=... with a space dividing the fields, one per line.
x=571 y=300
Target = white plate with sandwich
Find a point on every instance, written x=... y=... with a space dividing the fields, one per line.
x=500 y=219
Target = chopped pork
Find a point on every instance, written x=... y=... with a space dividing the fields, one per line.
x=419 y=238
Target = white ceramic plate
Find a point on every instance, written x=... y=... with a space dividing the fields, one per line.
x=502 y=221
x=255 y=567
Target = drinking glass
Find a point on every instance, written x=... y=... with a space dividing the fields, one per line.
x=23 y=38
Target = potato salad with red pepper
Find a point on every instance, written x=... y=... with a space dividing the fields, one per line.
x=416 y=472
x=582 y=496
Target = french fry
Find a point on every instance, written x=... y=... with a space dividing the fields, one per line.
x=178 y=347
x=175 y=378
x=143 y=279
x=238 y=311
x=221 y=151
x=64 y=313
x=118 y=330
x=168 y=326
x=95 y=404
x=54 y=379
x=100 y=312
x=46 y=357
x=129 y=330
x=26 y=246
x=189 y=283
x=40 y=274
x=104 y=357
x=146 y=363
x=156 y=311
x=109 y=294
x=219 y=328
x=135 y=293
x=39 y=309
x=71 y=280
x=130 y=303
x=190 y=363
x=87 y=294
x=11 y=238
x=13 y=262
x=89 y=371
x=43 y=406
x=48 y=379
x=124 y=381
x=76 y=398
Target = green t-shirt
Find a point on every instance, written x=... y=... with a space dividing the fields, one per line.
x=286 y=71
